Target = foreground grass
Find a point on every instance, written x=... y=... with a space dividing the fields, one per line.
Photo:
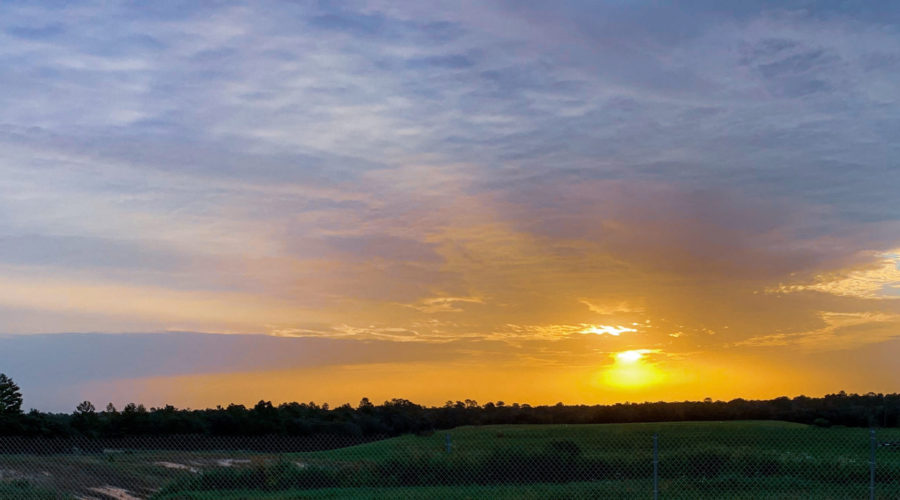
x=692 y=449
x=728 y=459
x=530 y=491
x=604 y=440
x=24 y=490
x=777 y=489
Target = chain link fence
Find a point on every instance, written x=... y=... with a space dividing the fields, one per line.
x=687 y=460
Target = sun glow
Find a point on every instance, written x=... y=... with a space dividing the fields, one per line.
x=632 y=370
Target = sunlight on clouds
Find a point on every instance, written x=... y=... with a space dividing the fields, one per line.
x=371 y=332
x=537 y=332
x=444 y=304
x=612 y=308
x=222 y=312
x=842 y=330
x=607 y=330
x=559 y=332
x=875 y=283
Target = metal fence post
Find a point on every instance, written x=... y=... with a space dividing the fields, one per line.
x=447 y=442
x=656 y=466
x=872 y=444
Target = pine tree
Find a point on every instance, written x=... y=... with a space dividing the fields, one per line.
x=10 y=396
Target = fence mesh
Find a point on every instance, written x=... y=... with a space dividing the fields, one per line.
x=688 y=460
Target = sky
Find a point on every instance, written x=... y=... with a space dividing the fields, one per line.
x=585 y=202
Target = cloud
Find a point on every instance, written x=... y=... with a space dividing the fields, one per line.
x=36 y=361
x=875 y=282
x=557 y=332
x=841 y=331
x=612 y=308
x=615 y=331
x=445 y=304
x=146 y=307
x=78 y=251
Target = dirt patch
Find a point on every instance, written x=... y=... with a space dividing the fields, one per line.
x=173 y=465
x=114 y=492
x=230 y=462
x=6 y=474
x=119 y=476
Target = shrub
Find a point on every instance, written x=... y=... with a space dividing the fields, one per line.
x=821 y=422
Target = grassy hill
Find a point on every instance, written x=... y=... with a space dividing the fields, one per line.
x=729 y=459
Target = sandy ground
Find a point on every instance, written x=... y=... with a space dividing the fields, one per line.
x=229 y=462
x=68 y=473
x=173 y=465
x=109 y=492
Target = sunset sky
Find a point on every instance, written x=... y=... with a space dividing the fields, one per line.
x=586 y=202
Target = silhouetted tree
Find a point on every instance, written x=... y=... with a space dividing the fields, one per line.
x=85 y=407
x=85 y=418
x=400 y=416
x=10 y=396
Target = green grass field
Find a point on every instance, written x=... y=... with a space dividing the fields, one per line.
x=728 y=489
x=696 y=460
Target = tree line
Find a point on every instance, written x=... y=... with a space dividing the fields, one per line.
x=400 y=416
